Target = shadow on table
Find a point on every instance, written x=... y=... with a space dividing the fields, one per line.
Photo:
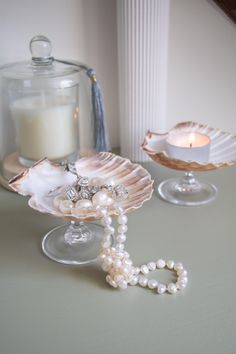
x=22 y=230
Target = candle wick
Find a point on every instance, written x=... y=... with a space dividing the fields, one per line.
x=191 y=145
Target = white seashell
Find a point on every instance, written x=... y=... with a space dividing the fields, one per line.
x=222 y=148
x=45 y=176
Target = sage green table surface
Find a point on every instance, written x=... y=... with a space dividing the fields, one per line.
x=49 y=308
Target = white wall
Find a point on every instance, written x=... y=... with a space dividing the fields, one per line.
x=83 y=30
x=201 y=66
x=202 y=52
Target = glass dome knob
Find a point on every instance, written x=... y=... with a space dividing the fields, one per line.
x=40 y=48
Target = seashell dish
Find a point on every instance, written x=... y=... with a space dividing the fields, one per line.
x=222 y=148
x=45 y=179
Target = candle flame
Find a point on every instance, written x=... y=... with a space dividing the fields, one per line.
x=191 y=137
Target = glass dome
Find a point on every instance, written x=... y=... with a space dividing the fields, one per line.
x=46 y=110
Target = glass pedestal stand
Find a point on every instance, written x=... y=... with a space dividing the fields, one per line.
x=76 y=243
x=187 y=190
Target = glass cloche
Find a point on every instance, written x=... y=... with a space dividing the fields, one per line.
x=47 y=110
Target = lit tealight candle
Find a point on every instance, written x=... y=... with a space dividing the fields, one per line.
x=188 y=146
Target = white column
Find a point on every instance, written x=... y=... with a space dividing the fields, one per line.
x=142 y=49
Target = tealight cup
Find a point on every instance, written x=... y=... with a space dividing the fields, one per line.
x=188 y=147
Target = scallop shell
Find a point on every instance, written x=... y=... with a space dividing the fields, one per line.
x=44 y=177
x=222 y=148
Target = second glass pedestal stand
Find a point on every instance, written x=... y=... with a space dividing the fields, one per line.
x=187 y=190
x=74 y=243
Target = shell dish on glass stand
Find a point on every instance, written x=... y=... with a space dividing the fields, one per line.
x=73 y=191
x=187 y=190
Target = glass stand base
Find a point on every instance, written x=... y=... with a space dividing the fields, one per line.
x=76 y=243
x=187 y=191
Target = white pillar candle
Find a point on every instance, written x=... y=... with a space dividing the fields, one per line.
x=45 y=127
x=188 y=146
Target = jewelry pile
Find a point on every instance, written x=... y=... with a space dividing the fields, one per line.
x=86 y=194
x=103 y=196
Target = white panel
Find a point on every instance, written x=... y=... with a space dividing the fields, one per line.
x=142 y=50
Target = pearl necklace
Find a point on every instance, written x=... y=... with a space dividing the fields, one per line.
x=117 y=263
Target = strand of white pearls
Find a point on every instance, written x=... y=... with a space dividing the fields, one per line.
x=117 y=263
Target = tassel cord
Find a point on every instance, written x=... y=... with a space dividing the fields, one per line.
x=101 y=133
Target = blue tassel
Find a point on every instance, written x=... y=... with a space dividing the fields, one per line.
x=101 y=135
